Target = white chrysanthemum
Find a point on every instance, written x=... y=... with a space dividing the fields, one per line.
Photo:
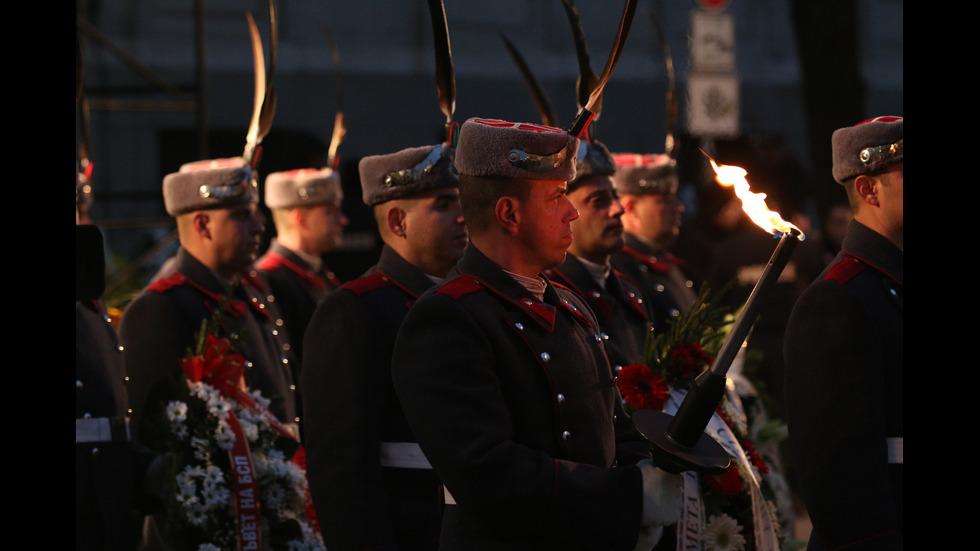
x=273 y=495
x=297 y=476
x=722 y=533
x=177 y=412
x=214 y=474
x=261 y=400
x=201 y=448
x=214 y=495
x=251 y=430
x=224 y=437
x=195 y=513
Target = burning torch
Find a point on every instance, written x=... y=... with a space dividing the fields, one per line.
x=679 y=442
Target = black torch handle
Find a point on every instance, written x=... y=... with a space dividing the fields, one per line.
x=679 y=443
x=581 y=123
x=709 y=387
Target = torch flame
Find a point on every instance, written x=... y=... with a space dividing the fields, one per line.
x=754 y=204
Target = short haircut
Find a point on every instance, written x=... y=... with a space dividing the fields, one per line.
x=478 y=195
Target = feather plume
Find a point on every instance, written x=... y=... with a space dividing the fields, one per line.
x=541 y=101
x=445 y=75
x=339 y=124
x=265 y=97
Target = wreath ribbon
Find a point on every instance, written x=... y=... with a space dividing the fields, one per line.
x=225 y=372
x=692 y=514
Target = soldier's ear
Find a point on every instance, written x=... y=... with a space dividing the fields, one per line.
x=866 y=189
x=395 y=217
x=507 y=213
x=200 y=222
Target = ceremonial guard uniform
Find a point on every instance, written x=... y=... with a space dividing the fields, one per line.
x=108 y=468
x=623 y=314
x=305 y=206
x=619 y=307
x=534 y=375
x=659 y=273
x=844 y=367
x=508 y=390
x=299 y=280
x=162 y=323
x=109 y=465
x=370 y=483
x=297 y=286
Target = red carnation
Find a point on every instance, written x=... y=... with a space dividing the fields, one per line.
x=642 y=388
x=754 y=456
x=689 y=360
x=727 y=484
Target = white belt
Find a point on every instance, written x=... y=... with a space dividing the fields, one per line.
x=102 y=429
x=405 y=455
x=894 y=446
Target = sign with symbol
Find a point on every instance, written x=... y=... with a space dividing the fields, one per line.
x=713 y=105
x=712 y=41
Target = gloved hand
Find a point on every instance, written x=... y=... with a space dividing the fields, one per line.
x=662 y=495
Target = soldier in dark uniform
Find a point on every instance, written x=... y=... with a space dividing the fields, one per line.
x=843 y=351
x=108 y=463
x=624 y=316
x=305 y=206
x=647 y=188
x=503 y=375
x=219 y=227
x=371 y=485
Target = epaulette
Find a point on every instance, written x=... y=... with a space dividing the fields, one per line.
x=175 y=279
x=460 y=286
x=844 y=270
x=368 y=283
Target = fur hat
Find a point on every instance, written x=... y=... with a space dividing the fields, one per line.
x=867 y=147
x=407 y=172
x=491 y=147
x=211 y=184
x=592 y=158
x=302 y=187
x=639 y=174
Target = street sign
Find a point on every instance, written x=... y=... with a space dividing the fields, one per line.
x=712 y=41
x=713 y=105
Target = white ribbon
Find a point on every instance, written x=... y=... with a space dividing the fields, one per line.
x=693 y=519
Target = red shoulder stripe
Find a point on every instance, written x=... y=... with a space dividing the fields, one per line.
x=165 y=283
x=844 y=270
x=460 y=286
x=368 y=283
